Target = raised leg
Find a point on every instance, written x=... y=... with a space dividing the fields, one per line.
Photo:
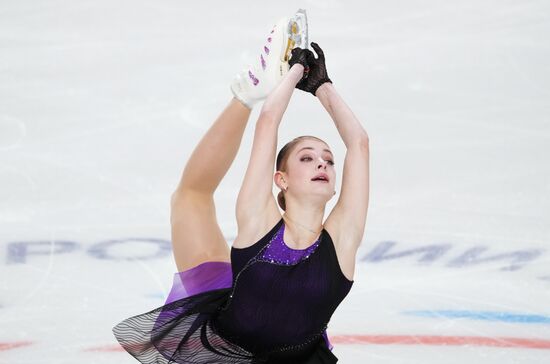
x=196 y=235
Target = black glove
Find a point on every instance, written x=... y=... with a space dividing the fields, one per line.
x=317 y=74
x=300 y=56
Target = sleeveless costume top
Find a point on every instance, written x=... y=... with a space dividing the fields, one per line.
x=279 y=305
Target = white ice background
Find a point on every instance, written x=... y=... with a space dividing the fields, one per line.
x=102 y=102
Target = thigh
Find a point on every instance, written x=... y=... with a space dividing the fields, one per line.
x=196 y=235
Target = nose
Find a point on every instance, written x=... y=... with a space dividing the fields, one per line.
x=321 y=161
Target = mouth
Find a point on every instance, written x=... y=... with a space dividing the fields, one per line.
x=322 y=177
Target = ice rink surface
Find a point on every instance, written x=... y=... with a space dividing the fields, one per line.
x=102 y=102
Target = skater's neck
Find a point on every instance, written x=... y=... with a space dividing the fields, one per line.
x=303 y=224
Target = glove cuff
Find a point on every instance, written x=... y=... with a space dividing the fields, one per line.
x=318 y=84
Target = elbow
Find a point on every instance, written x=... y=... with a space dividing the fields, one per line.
x=267 y=111
x=361 y=139
x=266 y=116
x=360 y=144
x=364 y=143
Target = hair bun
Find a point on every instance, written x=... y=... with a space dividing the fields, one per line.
x=281 y=200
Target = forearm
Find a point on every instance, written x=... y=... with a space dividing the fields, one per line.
x=258 y=178
x=276 y=103
x=347 y=124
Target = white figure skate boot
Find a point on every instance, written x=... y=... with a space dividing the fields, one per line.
x=254 y=83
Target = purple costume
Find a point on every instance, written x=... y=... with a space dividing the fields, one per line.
x=271 y=304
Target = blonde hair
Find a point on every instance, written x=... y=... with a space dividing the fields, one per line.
x=282 y=159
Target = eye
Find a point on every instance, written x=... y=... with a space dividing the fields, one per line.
x=330 y=161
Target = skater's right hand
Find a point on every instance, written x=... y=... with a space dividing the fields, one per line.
x=300 y=56
x=317 y=71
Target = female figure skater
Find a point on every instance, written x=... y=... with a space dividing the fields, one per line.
x=268 y=299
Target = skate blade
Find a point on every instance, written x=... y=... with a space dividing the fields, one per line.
x=297 y=34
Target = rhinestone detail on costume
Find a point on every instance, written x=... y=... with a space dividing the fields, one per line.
x=278 y=252
x=263 y=252
x=259 y=257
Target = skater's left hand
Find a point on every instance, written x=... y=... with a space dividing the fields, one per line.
x=317 y=71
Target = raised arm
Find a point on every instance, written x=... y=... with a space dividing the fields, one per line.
x=350 y=129
x=350 y=211
x=351 y=208
x=257 y=188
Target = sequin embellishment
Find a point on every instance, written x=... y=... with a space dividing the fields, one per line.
x=274 y=256
x=278 y=252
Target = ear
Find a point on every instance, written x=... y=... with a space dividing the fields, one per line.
x=278 y=179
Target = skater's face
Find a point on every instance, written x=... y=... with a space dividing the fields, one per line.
x=308 y=159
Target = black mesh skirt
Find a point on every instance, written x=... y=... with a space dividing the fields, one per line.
x=183 y=330
x=180 y=332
